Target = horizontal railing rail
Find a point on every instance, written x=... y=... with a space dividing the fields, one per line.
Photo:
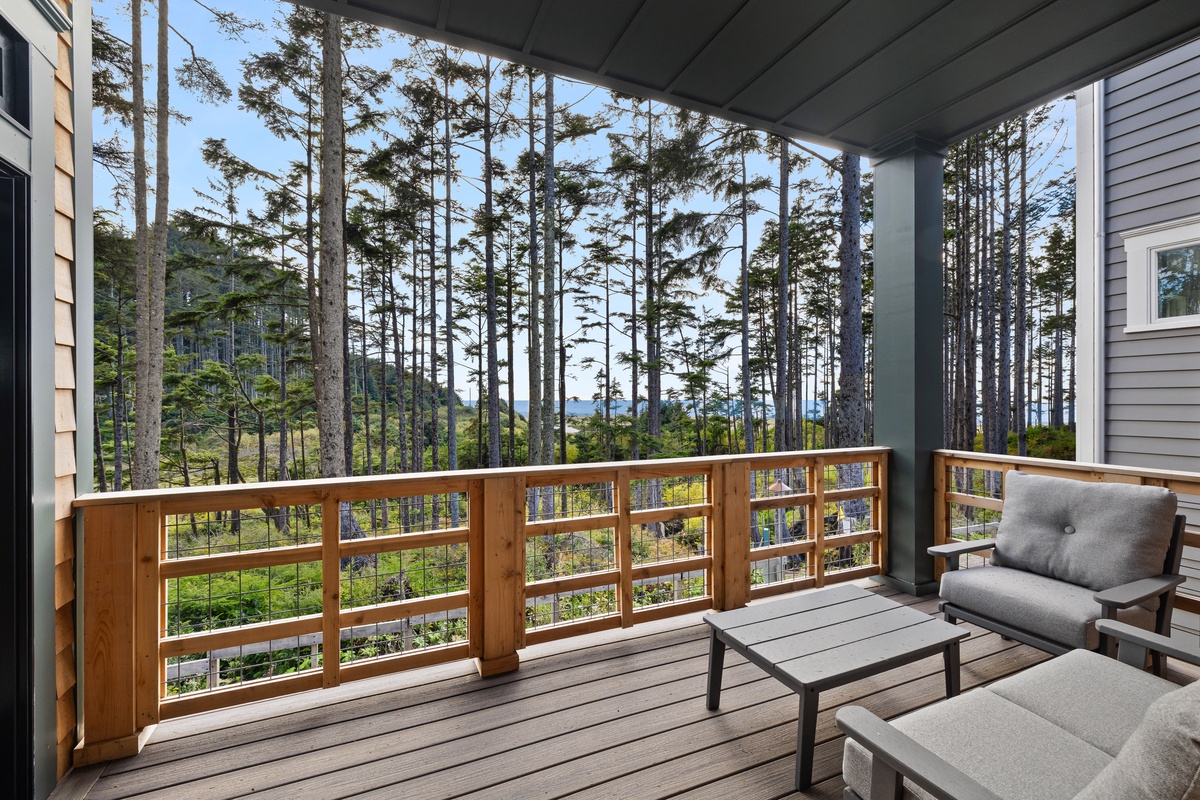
x=198 y=598
x=969 y=492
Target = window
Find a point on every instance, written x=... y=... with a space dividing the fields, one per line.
x=1163 y=276
x=14 y=75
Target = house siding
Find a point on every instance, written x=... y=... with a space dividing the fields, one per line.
x=1151 y=174
x=65 y=462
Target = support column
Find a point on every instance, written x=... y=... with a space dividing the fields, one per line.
x=908 y=350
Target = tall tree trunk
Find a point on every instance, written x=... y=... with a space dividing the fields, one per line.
x=548 y=323
x=782 y=423
x=329 y=368
x=851 y=358
x=1019 y=378
x=152 y=283
x=747 y=416
x=493 y=368
x=533 y=426
x=451 y=410
x=1003 y=337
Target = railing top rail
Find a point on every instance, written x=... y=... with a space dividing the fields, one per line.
x=318 y=489
x=1074 y=466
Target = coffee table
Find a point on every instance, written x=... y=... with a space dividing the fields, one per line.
x=820 y=640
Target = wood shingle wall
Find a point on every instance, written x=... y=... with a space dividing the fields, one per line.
x=65 y=466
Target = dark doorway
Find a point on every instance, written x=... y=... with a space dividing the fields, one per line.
x=16 y=547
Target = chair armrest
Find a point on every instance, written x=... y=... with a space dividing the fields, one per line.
x=896 y=756
x=1130 y=594
x=953 y=550
x=1134 y=642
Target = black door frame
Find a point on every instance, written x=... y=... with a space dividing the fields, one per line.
x=16 y=498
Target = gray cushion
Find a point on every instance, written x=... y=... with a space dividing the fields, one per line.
x=1011 y=751
x=1097 y=535
x=1061 y=612
x=1098 y=699
x=1161 y=760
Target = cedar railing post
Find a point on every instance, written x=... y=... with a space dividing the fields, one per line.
x=817 y=528
x=503 y=569
x=111 y=621
x=731 y=534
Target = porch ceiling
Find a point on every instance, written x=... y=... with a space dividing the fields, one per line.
x=860 y=75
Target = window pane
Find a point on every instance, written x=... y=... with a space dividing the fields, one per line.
x=1179 y=282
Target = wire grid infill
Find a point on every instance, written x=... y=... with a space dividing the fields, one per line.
x=396 y=637
x=671 y=540
x=773 y=526
x=563 y=554
x=675 y=588
x=393 y=516
x=970 y=522
x=976 y=481
x=669 y=492
x=568 y=501
x=227 y=666
x=374 y=578
x=219 y=532
x=855 y=475
x=778 y=569
x=215 y=601
x=780 y=482
x=849 y=556
x=559 y=607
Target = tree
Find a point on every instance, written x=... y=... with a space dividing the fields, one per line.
x=328 y=363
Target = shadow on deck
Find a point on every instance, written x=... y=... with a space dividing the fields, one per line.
x=618 y=714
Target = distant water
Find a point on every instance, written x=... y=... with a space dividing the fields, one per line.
x=585 y=408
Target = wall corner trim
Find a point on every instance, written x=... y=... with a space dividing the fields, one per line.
x=53 y=14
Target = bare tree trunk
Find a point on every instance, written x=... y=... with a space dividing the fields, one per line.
x=329 y=369
x=1019 y=415
x=747 y=416
x=534 y=423
x=493 y=387
x=151 y=285
x=548 y=322
x=851 y=388
x=782 y=423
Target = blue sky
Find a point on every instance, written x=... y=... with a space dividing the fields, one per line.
x=247 y=138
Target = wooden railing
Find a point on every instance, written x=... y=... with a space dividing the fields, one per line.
x=301 y=585
x=969 y=492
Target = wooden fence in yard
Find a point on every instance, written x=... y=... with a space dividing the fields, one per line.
x=967 y=483
x=402 y=571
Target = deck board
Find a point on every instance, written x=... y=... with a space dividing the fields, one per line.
x=619 y=714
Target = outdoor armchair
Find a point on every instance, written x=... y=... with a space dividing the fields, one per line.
x=1066 y=554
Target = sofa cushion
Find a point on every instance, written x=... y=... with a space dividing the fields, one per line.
x=1161 y=760
x=1097 y=535
x=1098 y=699
x=1061 y=612
x=1009 y=750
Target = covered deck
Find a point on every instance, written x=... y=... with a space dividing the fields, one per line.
x=612 y=714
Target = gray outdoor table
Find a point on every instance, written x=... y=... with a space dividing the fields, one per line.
x=820 y=640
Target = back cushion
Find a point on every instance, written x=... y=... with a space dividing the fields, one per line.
x=1097 y=535
x=1161 y=759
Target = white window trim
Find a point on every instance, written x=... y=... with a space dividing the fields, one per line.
x=1141 y=288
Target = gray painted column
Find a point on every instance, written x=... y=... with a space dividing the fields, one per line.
x=908 y=350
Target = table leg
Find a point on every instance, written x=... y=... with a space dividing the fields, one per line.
x=806 y=733
x=950 y=655
x=716 y=665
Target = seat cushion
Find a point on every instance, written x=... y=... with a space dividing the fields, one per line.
x=1097 y=535
x=1059 y=611
x=1161 y=760
x=1096 y=698
x=1009 y=750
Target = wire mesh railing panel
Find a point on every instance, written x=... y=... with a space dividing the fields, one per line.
x=406 y=635
x=646 y=494
x=569 y=501
x=545 y=610
x=670 y=540
x=576 y=553
x=667 y=589
x=242 y=664
x=211 y=533
x=221 y=600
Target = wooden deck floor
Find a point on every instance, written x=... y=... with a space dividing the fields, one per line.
x=618 y=715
